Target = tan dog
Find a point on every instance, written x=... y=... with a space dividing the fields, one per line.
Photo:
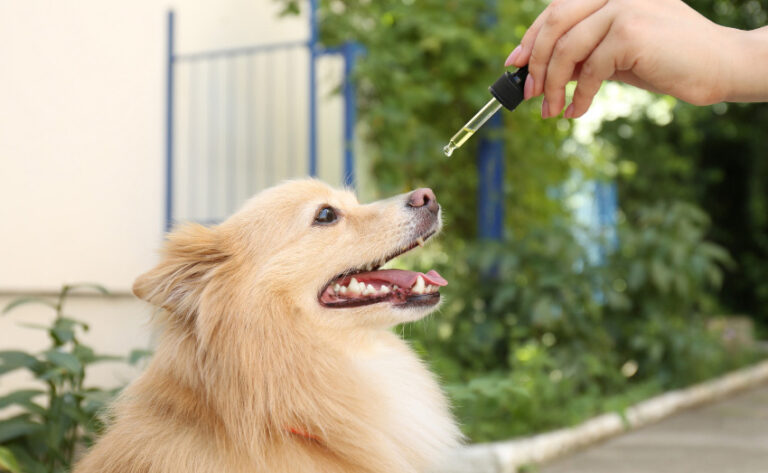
x=275 y=353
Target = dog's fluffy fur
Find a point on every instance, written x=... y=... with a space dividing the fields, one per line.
x=246 y=353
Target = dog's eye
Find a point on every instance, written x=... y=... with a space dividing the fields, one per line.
x=325 y=216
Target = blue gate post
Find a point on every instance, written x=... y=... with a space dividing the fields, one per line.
x=169 y=128
x=490 y=185
x=350 y=52
x=607 y=203
x=490 y=169
x=312 y=46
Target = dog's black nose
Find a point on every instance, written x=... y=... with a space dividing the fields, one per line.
x=423 y=197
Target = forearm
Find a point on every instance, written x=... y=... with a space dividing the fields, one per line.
x=749 y=66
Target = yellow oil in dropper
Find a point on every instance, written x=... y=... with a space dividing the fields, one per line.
x=507 y=91
x=472 y=126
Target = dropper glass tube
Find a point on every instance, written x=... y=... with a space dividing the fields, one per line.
x=507 y=92
x=472 y=126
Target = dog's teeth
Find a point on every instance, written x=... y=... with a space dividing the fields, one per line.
x=420 y=241
x=343 y=290
x=336 y=288
x=418 y=288
x=395 y=287
x=369 y=290
x=384 y=290
x=355 y=288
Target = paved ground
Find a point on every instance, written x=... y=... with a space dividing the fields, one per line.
x=730 y=436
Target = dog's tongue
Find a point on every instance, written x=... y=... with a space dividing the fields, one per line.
x=402 y=278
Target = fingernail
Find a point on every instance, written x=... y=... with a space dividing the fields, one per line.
x=544 y=109
x=512 y=56
x=569 y=111
x=528 y=87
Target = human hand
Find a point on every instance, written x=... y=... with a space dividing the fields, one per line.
x=659 y=45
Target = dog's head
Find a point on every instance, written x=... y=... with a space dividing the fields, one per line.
x=302 y=249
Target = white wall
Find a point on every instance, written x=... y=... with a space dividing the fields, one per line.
x=82 y=173
x=82 y=127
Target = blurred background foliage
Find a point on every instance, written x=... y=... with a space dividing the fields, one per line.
x=47 y=428
x=536 y=332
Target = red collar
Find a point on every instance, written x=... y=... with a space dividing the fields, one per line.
x=303 y=434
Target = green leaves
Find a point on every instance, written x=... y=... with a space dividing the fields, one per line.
x=137 y=355
x=63 y=329
x=22 y=398
x=44 y=437
x=12 y=360
x=18 y=426
x=8 y=461
x=28 y=300
x=66 y=362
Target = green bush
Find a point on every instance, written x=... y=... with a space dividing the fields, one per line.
x=532 y=336
x=715 y=158
x=52 y=422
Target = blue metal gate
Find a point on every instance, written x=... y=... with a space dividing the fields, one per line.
x=230 y=133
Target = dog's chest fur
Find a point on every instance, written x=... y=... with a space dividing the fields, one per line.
x=416 y=414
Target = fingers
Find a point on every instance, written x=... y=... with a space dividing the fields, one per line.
x=599 y=66
x=561 y=16
x=519 y=56
x=571 y=49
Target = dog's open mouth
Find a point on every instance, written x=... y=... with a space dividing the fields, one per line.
x=369 y=285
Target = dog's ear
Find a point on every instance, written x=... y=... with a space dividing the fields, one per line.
x=189 y=258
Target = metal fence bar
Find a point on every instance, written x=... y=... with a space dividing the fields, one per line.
x=242 y=51
x=350 y=52
x=212 y=142
x=192 y=160
x=249 y=125
x=230 y=130
x=268 y=126
x=169 y=127
x=290 y=109
x=312 y=88
x=224 y=140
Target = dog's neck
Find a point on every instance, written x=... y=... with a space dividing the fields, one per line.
x=366 y=398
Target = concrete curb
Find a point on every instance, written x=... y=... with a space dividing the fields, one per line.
x=508 y=456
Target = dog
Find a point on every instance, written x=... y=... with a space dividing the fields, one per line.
x=275 y=351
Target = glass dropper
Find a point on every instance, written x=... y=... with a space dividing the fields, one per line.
x=472 y=126
x=507 y=91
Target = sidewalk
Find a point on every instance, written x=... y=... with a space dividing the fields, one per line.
x=730 y=436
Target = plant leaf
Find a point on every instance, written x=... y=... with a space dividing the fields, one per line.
x=13 y=359
x=8 y=461
x=34 y=326
x=16 y=427
x=86 y=355
x=28 y=463
x=88 y=285
x=64 y=360
x=21 y=397
x=27 y=300
x=137 y=355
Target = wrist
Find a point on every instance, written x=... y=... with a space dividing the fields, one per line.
x=746 y=65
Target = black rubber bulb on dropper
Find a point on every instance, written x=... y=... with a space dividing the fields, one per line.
x=509 y=88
